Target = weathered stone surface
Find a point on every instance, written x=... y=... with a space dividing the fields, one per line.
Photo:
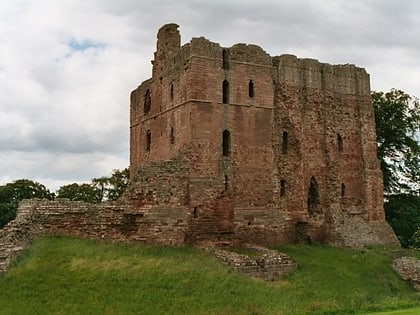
x=269 y=265
x=409 y=269
x=258 y=149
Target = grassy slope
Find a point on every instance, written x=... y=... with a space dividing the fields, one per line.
x=70 y=276
x=412 y=311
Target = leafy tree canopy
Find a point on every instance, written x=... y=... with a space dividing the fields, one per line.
x=12 y=193
x=403 y=214
x=112 y=188
x=397 y=117
x=79 y=192
x=100 y=189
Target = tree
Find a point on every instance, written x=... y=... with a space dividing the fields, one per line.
x=100 y=189
x=12 y=193
x=397 y=117
x=403 y=214
x=80 y=192
x=118 y=183
x=112 y=188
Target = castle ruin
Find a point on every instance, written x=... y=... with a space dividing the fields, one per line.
x=249 y=147
x=231 y=146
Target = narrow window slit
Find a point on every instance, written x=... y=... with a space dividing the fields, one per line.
x=225 y=59
x=226 y=143
x=284 y=146
x=148 y=140
x=313 y=196
x=339 y=143
x=172 y=136
x=251 y=89
x=225 y=92
x=147 y=102
x=282 y=188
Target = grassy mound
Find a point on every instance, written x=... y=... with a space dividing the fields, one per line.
x=72 y=276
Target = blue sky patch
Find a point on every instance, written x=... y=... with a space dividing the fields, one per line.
x=76 y=45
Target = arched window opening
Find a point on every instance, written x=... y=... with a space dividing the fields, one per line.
x=147 y=102
x=313 y=196
x=284 y=145
x=226 y=182
x=172 y=92
x=251 y=89
x=343 y=190
x=172 y=136
x=282 y=188
x=148 y=140
x=225 y=57
x=226 y=143
x=339 y=143
x=225 y=87
x=195 y=213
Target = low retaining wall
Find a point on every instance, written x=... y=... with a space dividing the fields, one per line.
x=268 y=264
x=115 y=221
x=409 y=269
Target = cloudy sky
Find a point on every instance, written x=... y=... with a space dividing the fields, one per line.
x=67 y=67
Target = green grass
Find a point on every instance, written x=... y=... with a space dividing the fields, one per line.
x=411 y=311
x=72 y=276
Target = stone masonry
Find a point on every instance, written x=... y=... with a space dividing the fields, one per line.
x=269 y=265
x=256 y=148
x=409 y=269
x=229 y=145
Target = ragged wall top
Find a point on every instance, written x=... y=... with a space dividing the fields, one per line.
x=327 y=115
x=161 y=114
x=184 y=109
x=312 y=74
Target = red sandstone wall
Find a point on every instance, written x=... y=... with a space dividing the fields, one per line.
x=260 y=191
x=111 y=221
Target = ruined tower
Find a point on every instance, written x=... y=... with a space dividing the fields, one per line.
x=233 y=145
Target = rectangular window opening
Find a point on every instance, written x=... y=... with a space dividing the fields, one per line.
x=172 y=136
x=282 y=188
x=284 y=146
x=226 y=143
x=148 y=140
x=340 y=143
x=251 y=89
x=225 y=91
x=225 y=57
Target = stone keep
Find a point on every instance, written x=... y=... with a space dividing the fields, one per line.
x=233 y=145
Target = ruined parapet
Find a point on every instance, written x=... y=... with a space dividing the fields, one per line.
x=167 y=48
x=115 y=221
x=17 y=234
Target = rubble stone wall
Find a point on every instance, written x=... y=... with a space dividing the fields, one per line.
x=277 y=149
x=409 y=269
